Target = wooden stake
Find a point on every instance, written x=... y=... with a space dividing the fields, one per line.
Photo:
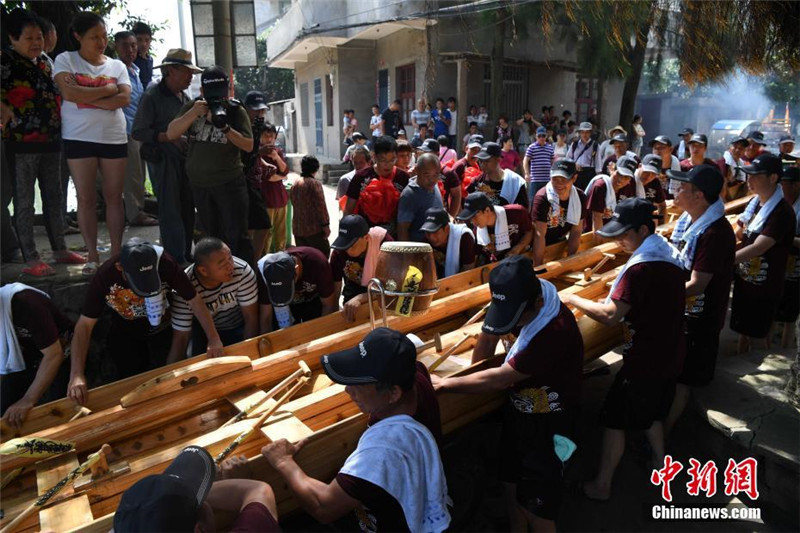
x=448 y=353
x=55 y=489
x=589 y=272
x=435 y=341
x=477 y=316
x=251 y=431
x=302 y=371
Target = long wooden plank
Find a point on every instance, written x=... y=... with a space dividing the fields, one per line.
x=66 y=515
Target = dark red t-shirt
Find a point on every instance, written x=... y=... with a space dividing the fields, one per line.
x=108 y=288
x=714 y=253
x=37 y=321
x=315 y=279
x=458 y=169
x=654 y=345
x=597 y=198
x=519 y=223
x=349 y=269
x=362 y=178
x=653 y=191
x=763 y=275
x=554 y=362
x=492 y=190
x=557 y=226
x=467 y=252
x=381 y=512
x=686 y=164
x=274 y=192
x=255 y=518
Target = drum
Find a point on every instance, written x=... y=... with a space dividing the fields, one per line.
x=407 y=274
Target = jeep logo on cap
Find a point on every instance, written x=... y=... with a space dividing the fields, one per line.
x=498 y=296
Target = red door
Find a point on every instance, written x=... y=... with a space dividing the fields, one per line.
x=406 y=81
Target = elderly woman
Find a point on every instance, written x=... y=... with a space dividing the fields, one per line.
x=95 y=89
x=33 y=136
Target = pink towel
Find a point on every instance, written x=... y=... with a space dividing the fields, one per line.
x=376 y=236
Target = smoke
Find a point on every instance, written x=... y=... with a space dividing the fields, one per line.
x=739 y=96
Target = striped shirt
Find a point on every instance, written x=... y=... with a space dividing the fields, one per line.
x=223 y=302
x=420 y=117
x=541 y=157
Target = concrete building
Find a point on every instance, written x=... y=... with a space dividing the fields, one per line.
x=354 y=53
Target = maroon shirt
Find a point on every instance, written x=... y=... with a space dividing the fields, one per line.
x=37 y=321
x=458 y=169
x=557 y=226
x=315 y=279
x=255 y=518
x=762 y=277
x=554 y=362
x=654 y=345
x=714 y=253
x=274 y=192
x=492 y=190
x=519 y=223
x=686 y=164
x=362 y=178
x=109 y=288
x=468 y=249
x=381 y=512
x=510 y=159
x=597 y=198
x=349 y=269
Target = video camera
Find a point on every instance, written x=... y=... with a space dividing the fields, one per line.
x=215 y=92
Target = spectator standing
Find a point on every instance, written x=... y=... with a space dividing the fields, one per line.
x=441 y=119
x=510 y=157
x=144 y=36
x=503 y=128
x=257 y=171
x=405 y=155
x=560 y=147
x=606 y=148
x=94 y=88
x=229 y=289
x=166 y=159
x=446 y=152
x=360 y=158
x=214 y=162
x=584 y=152
x=420 y=194
x=32 y=136
x=566 y=118
x=357 y=140
x=420 y=116
x=527 y=127
x=681 y=150
x=375 y=123
x=472 y=129
x=452 y=128
x=637 y=135
x=391 y=119
x=735 y=180
x=473 y=115
x=133 y=191
x=347 y=128
x=483 y=119
x=310 y=222
x=537 y=161
x=273 y=188
x=420 y=136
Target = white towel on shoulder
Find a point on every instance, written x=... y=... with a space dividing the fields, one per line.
x=573 y=209
x=550 y=308
x=754 y=224
x=11 y=359
x=611 y=195
x=654 y=248
x=688 y=231
x=501 y=238
x=452 y=260
x=512 y=183
x=400 y=455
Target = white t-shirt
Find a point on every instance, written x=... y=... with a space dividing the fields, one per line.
x=375 y=119
x=84 y=122
x=453 y=128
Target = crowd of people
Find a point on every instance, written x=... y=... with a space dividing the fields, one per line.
x=501 y=194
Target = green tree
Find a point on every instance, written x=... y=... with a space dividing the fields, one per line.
x=275 y=83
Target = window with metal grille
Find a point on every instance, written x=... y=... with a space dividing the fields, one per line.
x=406 y=81
x=515 y=90
x=585 y=97
x=383 y=89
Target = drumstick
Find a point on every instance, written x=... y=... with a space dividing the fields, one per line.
x=55 y=489
x=246 y=434
x=302 y=371
x=476 y=316
x=448 y=353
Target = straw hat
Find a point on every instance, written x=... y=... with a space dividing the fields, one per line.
x=179 y=56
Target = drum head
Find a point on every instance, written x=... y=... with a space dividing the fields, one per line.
x=406 y=247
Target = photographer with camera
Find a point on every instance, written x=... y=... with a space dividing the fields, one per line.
x=258 y=172
x=217 y=130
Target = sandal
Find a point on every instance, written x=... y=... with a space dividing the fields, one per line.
x=89 y=269
x=40 y=269
x=70 y=258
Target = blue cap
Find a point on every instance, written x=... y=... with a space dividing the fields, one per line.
x=541 y=130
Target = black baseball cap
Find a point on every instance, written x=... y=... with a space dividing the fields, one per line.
x=652 y=163
x=255 y=100
x=564 y=168
x=139 y=260
x=430 y=146
x=169 y=501
x=766 y=163
x=351 y=228
x=786 y=139
x=618 y=138
x=686 y=131
x=214 y=82
x=514 y=285
x=435 y=219
x=757 y=137
x=629 y=213
x=475 y=141
x=707 y=178
x=385 y=356
x=476 y=201
x=663 y=139
x=278 y=270
x=627 y=165
x=740 y=140
x=791 y=174
x=489 y=150
x=699 y=138
x=358 y=135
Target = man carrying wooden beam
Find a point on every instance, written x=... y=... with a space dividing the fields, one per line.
x=542 y=369
x=186 y=498
x=394 y=480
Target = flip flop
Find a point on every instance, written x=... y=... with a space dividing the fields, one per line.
x=71 y=258
x=89 y=269
x=40 y=270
